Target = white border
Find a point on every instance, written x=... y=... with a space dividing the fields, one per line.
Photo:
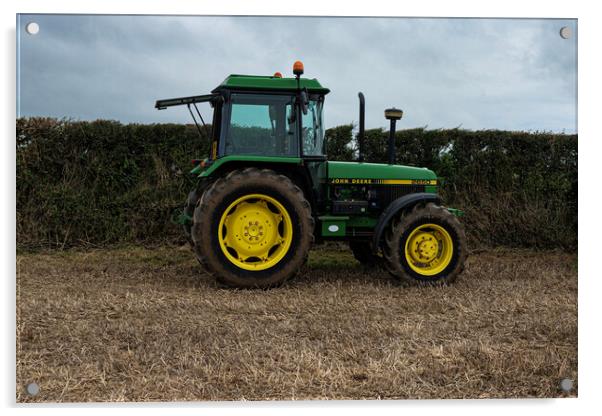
x=589 y=224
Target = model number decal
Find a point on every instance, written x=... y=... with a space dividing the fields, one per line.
x=423 y=182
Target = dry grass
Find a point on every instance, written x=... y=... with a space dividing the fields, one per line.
x=142 y=325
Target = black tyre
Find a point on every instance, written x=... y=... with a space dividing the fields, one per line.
x=425 y=246
x=252 y=229
x=362 y=251
x=191 y=202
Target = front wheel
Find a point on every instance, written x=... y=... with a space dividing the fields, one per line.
x=425 y=246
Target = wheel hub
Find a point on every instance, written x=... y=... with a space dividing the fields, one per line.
x=253 y=232
x=424 y=247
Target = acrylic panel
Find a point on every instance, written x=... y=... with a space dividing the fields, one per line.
x=224 y=208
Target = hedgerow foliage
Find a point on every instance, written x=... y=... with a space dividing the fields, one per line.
x=102 y=182
x=517 y=188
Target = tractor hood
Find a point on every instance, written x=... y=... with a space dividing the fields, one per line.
x=377 y=173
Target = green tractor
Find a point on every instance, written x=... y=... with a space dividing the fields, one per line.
x=267 y=192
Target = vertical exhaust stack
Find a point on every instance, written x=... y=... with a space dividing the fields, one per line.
x=392 y=114
x=360 y=136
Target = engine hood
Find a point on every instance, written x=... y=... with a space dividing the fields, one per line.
x=378 y=173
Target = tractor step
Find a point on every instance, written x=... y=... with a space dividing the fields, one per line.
x=333 y=226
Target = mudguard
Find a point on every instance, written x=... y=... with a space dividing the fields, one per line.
x=394 y=207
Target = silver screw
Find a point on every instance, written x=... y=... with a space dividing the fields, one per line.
x=566 y=384
x=32 y=28
x=565 y=32
x=33 y=389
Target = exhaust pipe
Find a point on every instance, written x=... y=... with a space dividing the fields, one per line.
x=392 y=114
x=360 y=136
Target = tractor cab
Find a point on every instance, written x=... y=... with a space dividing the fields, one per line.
x=268 y=116
x=271 y=116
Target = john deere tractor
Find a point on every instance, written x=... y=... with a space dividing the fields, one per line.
x=267 y=191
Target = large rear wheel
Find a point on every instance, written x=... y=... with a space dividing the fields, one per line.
x=252 y=228
x=425 y=246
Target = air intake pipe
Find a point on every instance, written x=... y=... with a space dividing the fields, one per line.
x=360 y=136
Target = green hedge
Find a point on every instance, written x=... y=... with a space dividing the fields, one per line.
x=102 y=182
x=517 y=188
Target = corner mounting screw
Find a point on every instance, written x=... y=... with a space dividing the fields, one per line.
x=32 y=389
x=32 y=28
x=566 y=385
x=565 y=32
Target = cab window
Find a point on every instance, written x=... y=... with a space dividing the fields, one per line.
x=312 y=129
x=261 y=125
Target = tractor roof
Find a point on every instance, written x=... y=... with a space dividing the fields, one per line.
x=261 y=82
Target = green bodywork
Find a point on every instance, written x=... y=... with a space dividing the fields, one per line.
x=332 y=183
x=336 y=170
x=270 y=83
x=218 y=163
x=377 y=173
x=350 y=170
x=334 y=226
x=328 y=173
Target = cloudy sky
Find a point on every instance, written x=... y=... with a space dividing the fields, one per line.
x=516 y=74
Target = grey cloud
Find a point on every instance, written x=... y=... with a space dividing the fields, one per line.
x=478 y=73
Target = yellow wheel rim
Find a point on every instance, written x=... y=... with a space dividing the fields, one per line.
x=429 y=249
x=255 y=232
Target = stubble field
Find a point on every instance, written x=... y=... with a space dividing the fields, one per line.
x=144 y=324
